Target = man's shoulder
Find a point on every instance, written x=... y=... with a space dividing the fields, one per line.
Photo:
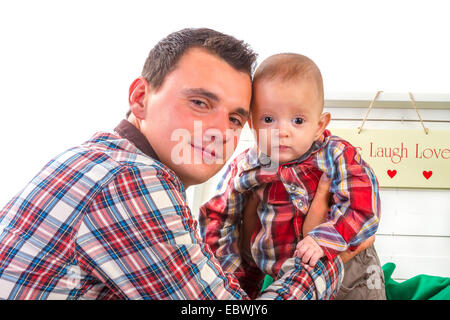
x=105 y=155
x=115 y=149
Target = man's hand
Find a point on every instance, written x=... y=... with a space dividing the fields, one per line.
x=348 y=255
x=318 y=210
x=317 y=214
x=309 y=251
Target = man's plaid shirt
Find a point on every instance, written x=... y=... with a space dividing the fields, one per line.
x=107 y=221
x=285 y=195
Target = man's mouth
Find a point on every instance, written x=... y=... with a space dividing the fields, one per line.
x=207 y=153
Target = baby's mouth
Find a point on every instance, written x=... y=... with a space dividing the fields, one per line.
x=283 y=147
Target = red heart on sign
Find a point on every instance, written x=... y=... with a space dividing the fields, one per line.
x=391 y=173
x=427 y=174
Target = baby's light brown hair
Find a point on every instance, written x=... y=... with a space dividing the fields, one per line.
x=290 y=67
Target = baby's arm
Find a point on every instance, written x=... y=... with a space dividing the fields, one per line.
x=219 y=220
x=317 y=214
x=354 y=216
x=251 y=276
x=250 y=222
x=308 y=249
x=220 y=223
x=318 y=211
x=310 y=252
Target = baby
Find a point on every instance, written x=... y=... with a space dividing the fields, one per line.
x=294 y=149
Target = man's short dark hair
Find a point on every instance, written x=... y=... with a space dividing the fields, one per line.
x=164 y=57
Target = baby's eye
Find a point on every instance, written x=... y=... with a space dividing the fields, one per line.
x=268 y=119
x=298 y=120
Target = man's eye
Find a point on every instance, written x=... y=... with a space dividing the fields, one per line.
x=236 y=121
x=268 y=119
x=199 y=103
x=298 y=120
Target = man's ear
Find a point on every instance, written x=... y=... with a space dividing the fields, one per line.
x=323 y=123
x=136 y=97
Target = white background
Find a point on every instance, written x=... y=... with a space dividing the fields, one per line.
x=65 y=66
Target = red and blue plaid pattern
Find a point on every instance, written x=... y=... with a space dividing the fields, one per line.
x=105 y=221
x=285 y=196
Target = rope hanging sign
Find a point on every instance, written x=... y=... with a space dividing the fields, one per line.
x=403 y=158
x=376 y=97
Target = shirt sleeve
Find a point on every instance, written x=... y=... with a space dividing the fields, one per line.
x=138 y=239
x=355 y=213
x=295 y=281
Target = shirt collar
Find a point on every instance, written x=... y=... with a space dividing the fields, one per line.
x=128 y=131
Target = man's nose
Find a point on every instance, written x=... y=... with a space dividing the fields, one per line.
x=219 y=127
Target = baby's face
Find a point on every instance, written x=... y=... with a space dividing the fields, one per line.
x=290 y=111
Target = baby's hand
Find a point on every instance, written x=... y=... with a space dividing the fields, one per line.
x=309 y=251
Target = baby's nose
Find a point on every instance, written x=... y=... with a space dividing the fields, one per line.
x=284 y=130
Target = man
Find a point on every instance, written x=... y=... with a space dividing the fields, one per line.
x=109 y=220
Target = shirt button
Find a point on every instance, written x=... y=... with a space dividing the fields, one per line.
x=300 y=203
x=265 y=160
x=293 y=188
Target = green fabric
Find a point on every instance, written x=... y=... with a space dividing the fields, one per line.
x=421 y=287
x=267 y=282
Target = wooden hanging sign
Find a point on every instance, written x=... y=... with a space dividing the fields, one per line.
x=404 y=158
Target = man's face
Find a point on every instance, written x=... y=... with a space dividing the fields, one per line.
x=193 y=120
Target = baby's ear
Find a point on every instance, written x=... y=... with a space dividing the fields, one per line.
x=324 y=120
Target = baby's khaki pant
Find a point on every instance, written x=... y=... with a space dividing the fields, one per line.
x=363 y=278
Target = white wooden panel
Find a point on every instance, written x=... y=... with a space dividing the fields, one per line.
x=415 y=255
x=383 y=113
x=387 y=99
x=415 y=212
